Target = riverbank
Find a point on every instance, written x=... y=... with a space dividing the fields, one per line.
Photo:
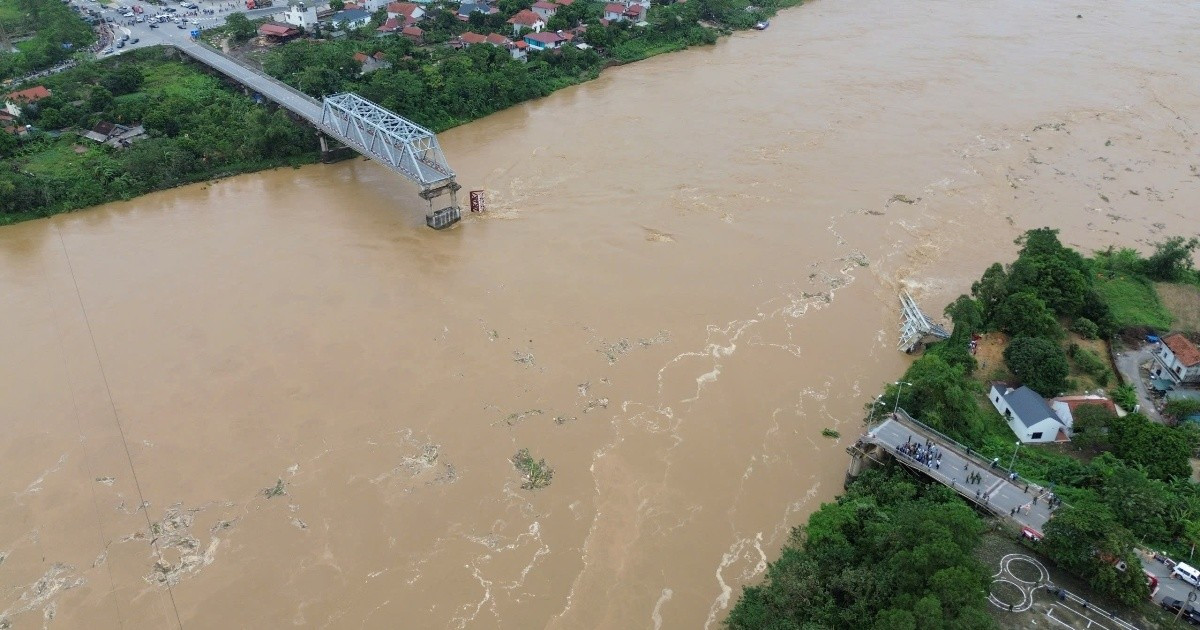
x=193 y=128
x=1123 y=478
x=199 y=128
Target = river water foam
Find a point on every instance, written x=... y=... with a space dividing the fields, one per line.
x=688 y=269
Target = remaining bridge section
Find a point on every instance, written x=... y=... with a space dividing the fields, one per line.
x=995 y=491
x=917 y=326
x=399 y=144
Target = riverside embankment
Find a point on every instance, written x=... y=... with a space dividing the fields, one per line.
x=688 y=269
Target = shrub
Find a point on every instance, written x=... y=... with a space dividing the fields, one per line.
x=1086 y=328
x=1125 y=396
x=1039 y=363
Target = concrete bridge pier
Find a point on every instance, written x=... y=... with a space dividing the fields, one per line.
x=445 y=217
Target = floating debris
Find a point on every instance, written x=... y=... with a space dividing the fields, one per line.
x=537 y=473
x=278 y=490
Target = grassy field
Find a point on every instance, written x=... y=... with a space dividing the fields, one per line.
x=1183 y=302
x=57 y=156
x=1134 y=303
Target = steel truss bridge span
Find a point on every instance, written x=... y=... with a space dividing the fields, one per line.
x=397 y=143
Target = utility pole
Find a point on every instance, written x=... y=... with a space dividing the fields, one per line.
x=899 y=385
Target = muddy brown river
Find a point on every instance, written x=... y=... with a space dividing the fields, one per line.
x=688 y=269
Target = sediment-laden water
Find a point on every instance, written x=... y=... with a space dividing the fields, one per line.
x=688 y=269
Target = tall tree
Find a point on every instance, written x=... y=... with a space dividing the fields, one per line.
x=1040 y=363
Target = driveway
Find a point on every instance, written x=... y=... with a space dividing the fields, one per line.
x=1128 y=364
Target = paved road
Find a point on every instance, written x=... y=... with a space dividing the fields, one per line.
x=1128 y=364
x=1023 y=503
x=272 y=89
x=997 y=493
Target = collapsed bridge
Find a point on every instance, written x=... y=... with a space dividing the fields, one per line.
x=389 y=139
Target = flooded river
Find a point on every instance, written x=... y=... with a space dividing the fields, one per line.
x=688 y=269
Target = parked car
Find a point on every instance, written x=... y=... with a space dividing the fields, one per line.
x=153 y=25
x=133 y=41
x=1190 y=614
x=181 y=26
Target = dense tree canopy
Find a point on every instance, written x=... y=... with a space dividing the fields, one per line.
x=891 y=553
x=56 y=32
x=1040 y=363
x=1087 y=539
x=197 y=128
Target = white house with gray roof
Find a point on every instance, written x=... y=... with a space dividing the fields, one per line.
x=1027 y=414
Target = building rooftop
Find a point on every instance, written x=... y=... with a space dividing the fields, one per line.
x=1028 y=406
x=1183 y=348
x=30 y=95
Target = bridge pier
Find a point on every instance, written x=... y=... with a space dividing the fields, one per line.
x=445 y=217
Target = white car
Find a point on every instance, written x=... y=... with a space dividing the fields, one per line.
x=127 y=14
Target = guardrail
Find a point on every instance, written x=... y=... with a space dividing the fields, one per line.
x=966 y=452
x=254 y=71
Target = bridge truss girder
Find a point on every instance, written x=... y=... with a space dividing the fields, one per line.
x=916 y=325
x=396 y=142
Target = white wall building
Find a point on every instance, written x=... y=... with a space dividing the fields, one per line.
x=1027 y=414
x=1178 y=359
x=302 y=15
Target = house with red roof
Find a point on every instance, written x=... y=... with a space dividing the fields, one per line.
x=371 y=63
x=1178 y=359
x=627 y=11
x=391 y=25
x=544 y=9
x=469 y=39
x=277 y=33
x=14 y=101
x=526 y=20
x=614 y=11
x=406 y=12
x=1065 y=406
x=544 y=41
x=413 y=33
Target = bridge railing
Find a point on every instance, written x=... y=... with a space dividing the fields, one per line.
x=254 y=71
x=962 y=450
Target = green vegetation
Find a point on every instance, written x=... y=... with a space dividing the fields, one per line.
x=536 y=473
x=279 y=489
x=831 y=433
x=1134 y=303
x=197 y=127
x=1090 y=363
x=891 y=553
x=56 y=33
x=440 y=87
x=1181 y=409
x=1039 y=362
x=1125 y=396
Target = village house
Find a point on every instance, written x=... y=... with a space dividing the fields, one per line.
x=301 y=15
x=114 y=135
x=371 y=63
x=275 y=32
x=468 y=39
x=634 y=11
x=407 y=13
x=1027 y=414
x=1064 y=407
x=414 y=34
x=467 y=8
x=545 y=10
x=1177 y=359
x=526 y=20
x=350 y=20
x=544 y=41
x=14 y=101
